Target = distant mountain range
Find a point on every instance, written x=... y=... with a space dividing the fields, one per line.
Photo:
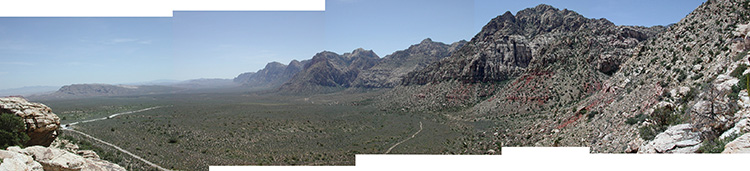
x=328 y=71
x=30 y=90
x=130 y=89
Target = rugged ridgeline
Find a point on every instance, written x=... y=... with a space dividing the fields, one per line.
x=273 y=75
x=389 y=71
x=684 y=76
x=95 y=90
x=328 y=71
x=521 y=70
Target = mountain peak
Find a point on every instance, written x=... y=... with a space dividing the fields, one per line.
x=427 y=40
x=545 y=7
x=360 y=52
x=275 y=64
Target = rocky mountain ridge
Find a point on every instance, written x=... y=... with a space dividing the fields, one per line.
x=330 y=70
x=549 y=77
x=390 y=70
x=524 y=73
x=681 y=77
x=272 y=75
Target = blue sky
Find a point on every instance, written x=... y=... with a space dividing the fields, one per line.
x=190 y=45
x=225 y=44
x=386 y=26
x=57 y=51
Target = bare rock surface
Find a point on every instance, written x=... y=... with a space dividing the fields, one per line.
x=12 y=161
x=676 y=139
x=739 y=145
x=53 y=159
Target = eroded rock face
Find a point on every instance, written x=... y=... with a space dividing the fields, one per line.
x=41 y=123
x=676 y=139
x=739 y=145
x=53 y=159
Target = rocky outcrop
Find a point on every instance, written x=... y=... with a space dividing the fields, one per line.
x=739 y=145
x=390 y=70
x=536 y=39
x=53 y=159
x=41 y=124
x=676 y=139
x=742 y=117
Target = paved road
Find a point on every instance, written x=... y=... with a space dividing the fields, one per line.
x=69 y=128
x=407 y=139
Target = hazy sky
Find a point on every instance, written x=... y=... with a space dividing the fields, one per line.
x=190 y=45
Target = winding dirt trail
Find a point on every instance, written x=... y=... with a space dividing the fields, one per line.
x=68 y=127
x=407 y=139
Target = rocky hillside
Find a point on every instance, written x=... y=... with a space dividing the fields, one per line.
x=539 y=38
x=389 y=71
x=330 y=71
x=549 y=77
x=521 y=70
x=273 y=75
x=681 y=92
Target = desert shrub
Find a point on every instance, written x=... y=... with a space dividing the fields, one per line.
x=682 y=76
x=173 y=140
x=737 y=72
x=741 y=84
x=666 y=116
x=636 y=119
x=649 y=132
x=716 y=145
x=740 y=55
x=697 y=76
x=591 y=115
x=12 y=131
x=663 y=118
x=690 y=95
